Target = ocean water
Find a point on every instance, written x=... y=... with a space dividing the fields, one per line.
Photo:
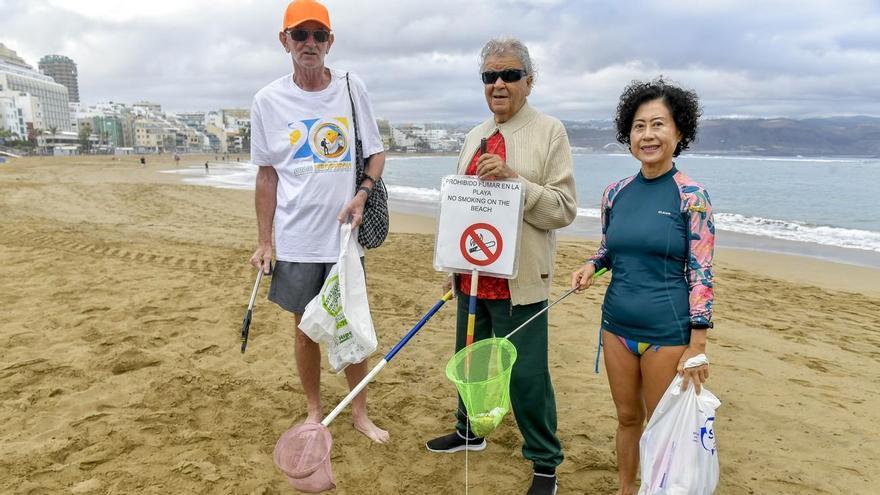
x=819 y=207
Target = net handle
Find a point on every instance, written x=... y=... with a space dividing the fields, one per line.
x=539 y=313
x=376 y=369
x=472 y=308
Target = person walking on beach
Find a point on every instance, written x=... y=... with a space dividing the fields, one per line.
x=143 y=161
x=658 y=237
x=304 y=198
x=525 y=145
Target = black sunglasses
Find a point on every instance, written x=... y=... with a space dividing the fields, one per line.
x=320 y=35
x=506 y=75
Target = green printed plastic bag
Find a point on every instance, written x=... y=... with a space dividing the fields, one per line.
x=339 y=315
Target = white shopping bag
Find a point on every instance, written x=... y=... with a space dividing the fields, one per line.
x=677 y=449
x=319 y=319
x=340 y=314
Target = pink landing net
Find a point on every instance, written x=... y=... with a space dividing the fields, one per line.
x=303 y=455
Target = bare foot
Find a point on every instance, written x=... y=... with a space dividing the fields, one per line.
x=627 y=491
x=364 y=425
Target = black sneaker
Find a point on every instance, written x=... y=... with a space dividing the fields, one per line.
x=455 y=442
x=543 y=484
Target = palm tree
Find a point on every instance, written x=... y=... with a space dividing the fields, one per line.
x=53 y=129
x=34 y=134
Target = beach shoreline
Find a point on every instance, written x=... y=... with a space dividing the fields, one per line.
x=124 y=290
x=825 y=273
x=782 y=238
x=588 y=229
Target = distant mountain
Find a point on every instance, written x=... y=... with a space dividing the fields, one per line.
x=832 y=136
x=596 y=135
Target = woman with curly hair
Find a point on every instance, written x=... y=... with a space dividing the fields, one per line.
x=657 y=239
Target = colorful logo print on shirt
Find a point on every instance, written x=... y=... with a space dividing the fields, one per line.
x=330 y=139
x=325 y=141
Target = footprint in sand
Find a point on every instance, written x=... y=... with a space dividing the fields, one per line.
x=131 y=360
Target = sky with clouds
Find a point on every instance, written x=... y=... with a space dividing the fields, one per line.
x=801 y=58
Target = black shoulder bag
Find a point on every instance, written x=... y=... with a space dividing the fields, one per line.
x=374 y=229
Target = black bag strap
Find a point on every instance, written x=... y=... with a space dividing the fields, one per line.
x=357 y=140
x=353 y=109
x=360 y=164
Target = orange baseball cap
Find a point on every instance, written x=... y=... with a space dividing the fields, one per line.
x=300 y=11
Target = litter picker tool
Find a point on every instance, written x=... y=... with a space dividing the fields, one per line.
x=303 y=452
x=246 y=324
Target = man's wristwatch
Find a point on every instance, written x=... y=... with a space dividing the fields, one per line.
x=365 y=189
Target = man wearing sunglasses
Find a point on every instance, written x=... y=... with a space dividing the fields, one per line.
x=526 y=145
x=303 y=140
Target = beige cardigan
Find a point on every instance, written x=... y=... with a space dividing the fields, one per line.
x=538 y=150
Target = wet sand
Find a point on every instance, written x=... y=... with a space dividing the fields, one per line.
x=123 y=293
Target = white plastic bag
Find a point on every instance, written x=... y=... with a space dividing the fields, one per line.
x=677 y=449
x=340 y=314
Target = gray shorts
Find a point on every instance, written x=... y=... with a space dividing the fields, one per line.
x=294 y=284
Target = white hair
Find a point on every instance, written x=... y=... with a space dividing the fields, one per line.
x=509 y=46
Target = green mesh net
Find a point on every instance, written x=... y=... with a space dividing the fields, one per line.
x=481 y=373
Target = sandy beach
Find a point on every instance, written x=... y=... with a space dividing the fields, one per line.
x=123 y=293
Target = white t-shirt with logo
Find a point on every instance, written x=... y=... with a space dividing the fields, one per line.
x=308 y=138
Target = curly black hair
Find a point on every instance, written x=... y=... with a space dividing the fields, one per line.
x=683 y=104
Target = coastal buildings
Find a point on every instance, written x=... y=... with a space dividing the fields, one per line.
x=43 y=111
x=150 y=136
x=57 y=143
x=201 y=123
x=424 y=138
x=142 y=127
x=153 y=107
x=17 y=76
x=236 y=124
x=11 y=57
x=20 y=113
x=63 y=70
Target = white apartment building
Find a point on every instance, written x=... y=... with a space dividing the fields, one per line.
x=53 y=96
x=9 y=119
x=20 y=113
x=61 y=143
x=420 y=137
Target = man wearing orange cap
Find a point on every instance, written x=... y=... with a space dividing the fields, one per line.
x=306 y=189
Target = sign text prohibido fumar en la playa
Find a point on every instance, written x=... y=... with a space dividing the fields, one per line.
x=479 y=226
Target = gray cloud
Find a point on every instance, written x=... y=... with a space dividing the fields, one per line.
x=419 y=59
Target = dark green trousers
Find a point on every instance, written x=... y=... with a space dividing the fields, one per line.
x=531 y=391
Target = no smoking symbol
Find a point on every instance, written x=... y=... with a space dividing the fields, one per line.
x=481 y=244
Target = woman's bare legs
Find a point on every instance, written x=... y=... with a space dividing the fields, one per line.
x=625 y=380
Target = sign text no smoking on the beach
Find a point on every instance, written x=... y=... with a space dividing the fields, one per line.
x=479 y=225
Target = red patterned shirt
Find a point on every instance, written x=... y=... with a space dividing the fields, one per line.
x=487 y=287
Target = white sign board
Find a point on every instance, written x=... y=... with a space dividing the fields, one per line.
x=479 y=226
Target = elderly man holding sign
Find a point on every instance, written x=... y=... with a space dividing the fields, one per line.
x=522 y=144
